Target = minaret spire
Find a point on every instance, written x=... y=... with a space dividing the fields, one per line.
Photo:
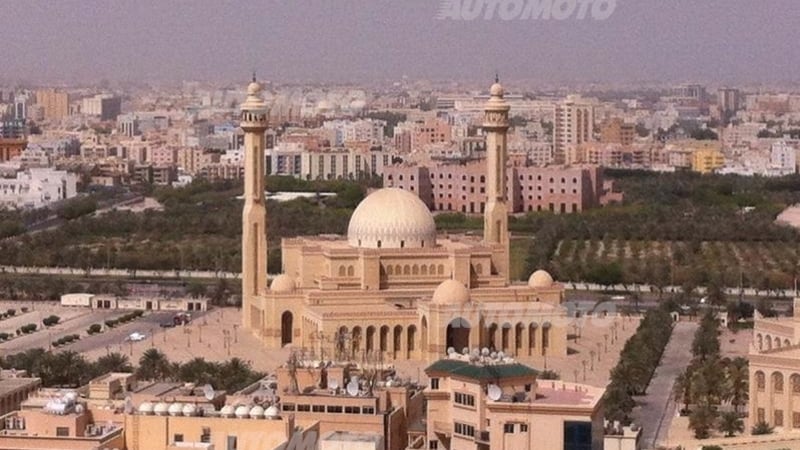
x=254 y=215
x=495 y=218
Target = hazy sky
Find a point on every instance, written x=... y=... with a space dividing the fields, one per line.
x=371 y=40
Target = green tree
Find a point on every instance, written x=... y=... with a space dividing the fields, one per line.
x=702 y=421
x=730 y=423
x=154 y=365
x=113 y=362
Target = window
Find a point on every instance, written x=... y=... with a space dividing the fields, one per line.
x=523 y=428
x=433 y=444
x=352 y=409
x=760 y=415
x=577 y=435
x=288 y=406
x=334 y=409
x=318 y=408
x=434 y=383
x=64 y=431
x=778 y=418
x=464 y=429
x=367 y=410
x=178 y=438
x=796 y=420
x=303 y=408
x=206 y=436
x=233 y=443
x=508 y=428
x=464 y=399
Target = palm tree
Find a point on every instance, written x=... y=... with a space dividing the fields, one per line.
x=702 y=420
x=113 y=362
x=730 y=423
x=682 y=389
x=154 y=365
x=736 y=386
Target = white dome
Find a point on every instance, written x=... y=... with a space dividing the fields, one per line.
x=161 y=409
x=282 y=284
x=450 y=292
x=175 y=409
x=272 y=412
x=242 y=411
x=540 y=280
x=496 y=90
x=189 y=409
x=146 y=408
x=391 y=218
x=226 y=411
x=256 y=412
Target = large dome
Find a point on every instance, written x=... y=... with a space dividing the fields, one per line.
x=391 y=218
x=540 y=280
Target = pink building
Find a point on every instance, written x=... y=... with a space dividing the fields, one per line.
x=461 y=187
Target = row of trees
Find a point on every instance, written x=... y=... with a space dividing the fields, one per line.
x=710 y=382
x=71 y=369
x=637 y=363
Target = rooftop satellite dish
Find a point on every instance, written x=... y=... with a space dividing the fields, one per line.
x=501 y=355
x=493 y=355
x=465 y=351
x=208 y=392
x=485 y=351
x=333 y=384
x=450 y=350
x=352 y=389
x=494 y=392
x=475 y=352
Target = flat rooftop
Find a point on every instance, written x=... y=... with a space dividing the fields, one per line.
x=8 y=385
x=347 y=436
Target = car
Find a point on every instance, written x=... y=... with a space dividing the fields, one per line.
x=136 y=337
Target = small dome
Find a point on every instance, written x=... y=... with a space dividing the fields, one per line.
x=242 y=411
x=391 y=218
x=161 y=409
x=450 y=292
x=496 y=90
x=253 y=88
x=282 y=284
x=540 y=280
x=146 y=408
x=175 y=409
x=256 y=412
x=189 y=409
x=272 y=412
x=226 y=411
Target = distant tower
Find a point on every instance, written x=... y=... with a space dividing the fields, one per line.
x=254 y=215
x=495 y=123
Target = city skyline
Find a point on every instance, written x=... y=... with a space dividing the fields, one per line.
x=642 y=41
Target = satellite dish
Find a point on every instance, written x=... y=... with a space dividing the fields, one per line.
x=485 y=351
x=465 y=351
x=501 y=355
x=494 y=392
x=493 y=355
x=450 y=350
x=208 y=392
x=475 y=352
x=333 y=384
x=352 y=389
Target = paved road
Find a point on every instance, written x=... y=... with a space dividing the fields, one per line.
x=657 y=409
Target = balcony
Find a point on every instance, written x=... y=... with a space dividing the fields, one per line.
x=482 y=437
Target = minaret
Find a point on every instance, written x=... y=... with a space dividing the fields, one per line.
x=495 y=217
x=254 y=215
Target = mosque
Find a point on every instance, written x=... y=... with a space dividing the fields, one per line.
x=394 y=288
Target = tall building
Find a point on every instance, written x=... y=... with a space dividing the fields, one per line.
x=574 y=124
x=616 y=131
x=254 y=215
x=392 y=288
x=54 y=103
x=105 y=106
x=728 y=101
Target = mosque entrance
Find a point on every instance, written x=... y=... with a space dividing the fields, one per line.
x=286 y=328
x=458 y=334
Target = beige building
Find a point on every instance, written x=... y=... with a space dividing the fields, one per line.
x=392 y=288
x=574 y=125
x=55 y=104
x=478 y=402
x=775 y=372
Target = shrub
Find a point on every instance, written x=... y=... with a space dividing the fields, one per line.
x=12 y=311
x=111 y=323
x=24 y=309
x=94 y=328
x=5 y=336
x=761 y=428
x=51 y=320
x=548 y=375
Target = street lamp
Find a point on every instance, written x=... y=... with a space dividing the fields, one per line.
x=188 y=333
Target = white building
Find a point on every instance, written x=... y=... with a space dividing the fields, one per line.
x=782 y=159
x=369 y=130
x=36 y=187
x=574 y=125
